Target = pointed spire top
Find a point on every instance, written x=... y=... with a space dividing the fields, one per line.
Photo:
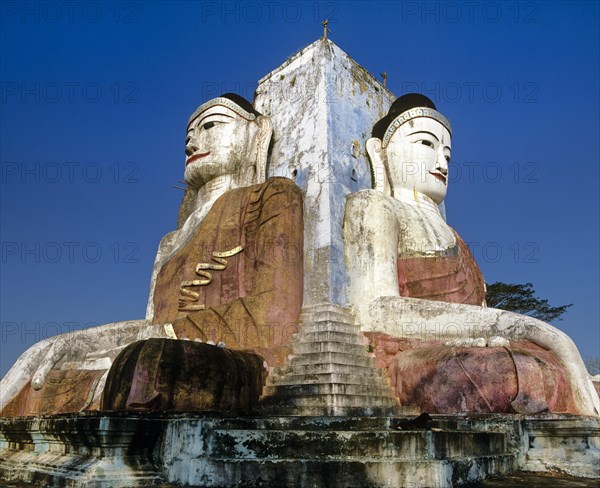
x=325 y=28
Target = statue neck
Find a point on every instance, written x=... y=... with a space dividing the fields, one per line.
x=213 y=190
x=416 y=199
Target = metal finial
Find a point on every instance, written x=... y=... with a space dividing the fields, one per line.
x=325 y=28
x=384 y=76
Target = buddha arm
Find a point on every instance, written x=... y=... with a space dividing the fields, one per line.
x=165 y=249
x=74 y=347
x=430 y=320
x=371 y=234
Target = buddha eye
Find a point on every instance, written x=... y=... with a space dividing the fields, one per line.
x=425 y=142
x=447 y=159
x=208 y=125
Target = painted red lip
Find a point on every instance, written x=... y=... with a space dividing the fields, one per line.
x=196 y=157
x=439 y=176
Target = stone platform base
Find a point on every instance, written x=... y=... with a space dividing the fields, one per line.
x=535 y=480
x=516 y=480
x=112 y=450
x=570 y=447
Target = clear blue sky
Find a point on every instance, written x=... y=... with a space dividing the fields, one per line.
x=95 y=98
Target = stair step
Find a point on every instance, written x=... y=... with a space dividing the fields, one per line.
x=332 y=335
x=359 y=423
x=325 y=400
x=325 y=368
x=372 y=444
x=313 y=358
x=337 y=411
x=333 y=314
x=354 y=473
x=329 y=343
x=329 y=326
x=289 y=444
x=329 y=346
x=366 y=377
x=327 y=389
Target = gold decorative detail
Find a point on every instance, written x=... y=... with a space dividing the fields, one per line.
x=190 y=295
x=228 y=254
x=170 y=331
x=220 y=263
x=411 y=114
x=189 y=308
x=195 y=283
x=225 y=102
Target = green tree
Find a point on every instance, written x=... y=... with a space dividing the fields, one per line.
x=520 y=298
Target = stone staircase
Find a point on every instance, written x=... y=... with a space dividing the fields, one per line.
x=336 y=452
x=330 y=371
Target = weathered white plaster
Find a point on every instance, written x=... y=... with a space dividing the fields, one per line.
x=377 y=230
x=323 y=106
x=497 y=341
x=568 y=445
x=467 y=342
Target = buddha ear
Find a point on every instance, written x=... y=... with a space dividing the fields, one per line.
x=379 y=177
x=263 y=139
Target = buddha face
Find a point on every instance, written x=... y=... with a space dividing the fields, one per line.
x=417 y=157
x=219 y=142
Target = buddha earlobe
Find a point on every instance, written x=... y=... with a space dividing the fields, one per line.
x=379 y=177
x=263 y=139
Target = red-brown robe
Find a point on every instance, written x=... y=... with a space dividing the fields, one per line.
x=452 y=277
x=254 y=302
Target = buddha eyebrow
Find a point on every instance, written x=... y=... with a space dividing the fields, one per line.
x=424 y=132
x=210 y=115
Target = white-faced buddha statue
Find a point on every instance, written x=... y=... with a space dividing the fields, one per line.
x=420 y=298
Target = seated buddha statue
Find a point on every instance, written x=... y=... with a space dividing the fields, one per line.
x=233 y=273
x=420 y=297
x=230 y=275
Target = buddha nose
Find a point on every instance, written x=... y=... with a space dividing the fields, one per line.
x=190 y=146
x=441 y=163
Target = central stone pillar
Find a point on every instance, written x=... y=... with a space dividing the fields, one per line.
x=323 y=106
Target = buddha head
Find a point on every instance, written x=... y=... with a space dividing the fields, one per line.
x=410 y=149
x=226 y=136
